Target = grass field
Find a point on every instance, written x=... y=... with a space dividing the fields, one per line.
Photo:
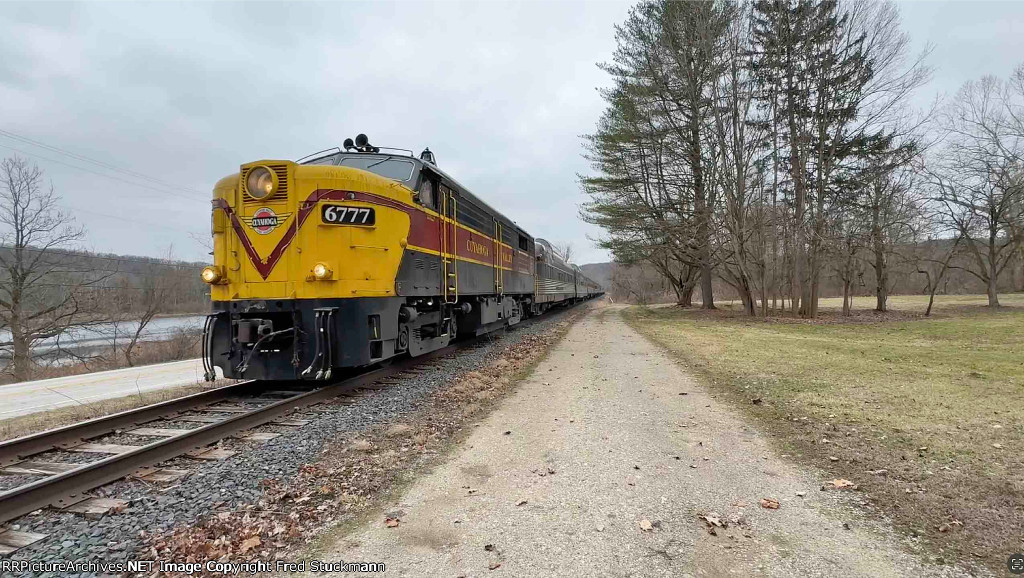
x=937 y=403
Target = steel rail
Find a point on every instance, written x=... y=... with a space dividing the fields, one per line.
x=19 y=449
x=69 y=487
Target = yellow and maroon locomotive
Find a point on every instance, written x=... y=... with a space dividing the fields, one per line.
x=352 y=257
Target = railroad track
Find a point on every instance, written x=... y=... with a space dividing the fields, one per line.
x=218 y=414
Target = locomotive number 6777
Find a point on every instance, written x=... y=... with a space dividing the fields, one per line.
x=342 y=215
x=351 y=257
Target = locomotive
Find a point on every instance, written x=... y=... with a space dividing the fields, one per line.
x=350 y=257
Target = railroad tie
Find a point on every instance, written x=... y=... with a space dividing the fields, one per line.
x=12 y=540
x=103 y=448
x=38 y=468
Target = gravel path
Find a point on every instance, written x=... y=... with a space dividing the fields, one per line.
x=599 y=465
x=235 y=481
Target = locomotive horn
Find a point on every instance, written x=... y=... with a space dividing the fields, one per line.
x=361 y=140
x=348 y=144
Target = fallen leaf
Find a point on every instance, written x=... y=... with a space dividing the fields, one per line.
x=391 y=522
x=840 y=484
x=770 y=503
x=713 y=519
x=494 y=565
x=249 y=544
x=645 y=525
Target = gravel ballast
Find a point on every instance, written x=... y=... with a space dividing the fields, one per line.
x=235 y=481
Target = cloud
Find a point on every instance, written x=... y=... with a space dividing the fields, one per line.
x=186 y=92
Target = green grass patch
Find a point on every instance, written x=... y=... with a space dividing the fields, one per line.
x=935 y=402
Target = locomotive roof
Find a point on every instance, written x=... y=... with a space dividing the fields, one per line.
x=419 y=164
x=464 y=191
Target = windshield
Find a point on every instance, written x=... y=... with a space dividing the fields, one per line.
x=387 y=167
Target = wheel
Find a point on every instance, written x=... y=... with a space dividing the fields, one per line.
x=403 y=338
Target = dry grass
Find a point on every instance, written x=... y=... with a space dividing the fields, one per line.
x=184 y=344
x=45 y=420
x=936 y=403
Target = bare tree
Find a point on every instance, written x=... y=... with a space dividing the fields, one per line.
x=158 y=283
x=567 y=250
x=41 y=287
x=935 y=269
x=977 y=177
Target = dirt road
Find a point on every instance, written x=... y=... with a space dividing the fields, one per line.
x=602 y=464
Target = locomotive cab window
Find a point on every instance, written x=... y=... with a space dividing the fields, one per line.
x=426 y=193
x=387 y=167
x=524 y=244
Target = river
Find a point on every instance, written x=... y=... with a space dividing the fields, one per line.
x=89 y=340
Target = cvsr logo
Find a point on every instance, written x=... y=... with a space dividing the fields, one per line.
x=264 y=220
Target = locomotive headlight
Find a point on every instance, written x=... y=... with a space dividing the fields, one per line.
x=211 y=275
x=261 y=183
x=321 y=271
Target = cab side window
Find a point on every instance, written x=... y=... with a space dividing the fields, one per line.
x=426 y=194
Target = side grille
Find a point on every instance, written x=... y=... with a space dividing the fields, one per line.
x=282 y=188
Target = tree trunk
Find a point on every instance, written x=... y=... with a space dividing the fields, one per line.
x=993 y=265
x=703 y=220
x=747 y=296
x=21 y=362
x=881 y=267
x=846 y=298
x=993 y=294
x=687 y=298
x=881 y=282
x=801 y=291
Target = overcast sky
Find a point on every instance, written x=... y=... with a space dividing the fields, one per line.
x=185 y=92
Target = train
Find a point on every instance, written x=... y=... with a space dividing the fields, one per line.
x=357 y=254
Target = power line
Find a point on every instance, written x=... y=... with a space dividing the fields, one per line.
x=100 y=163
x=163 y=193
x=134 y=220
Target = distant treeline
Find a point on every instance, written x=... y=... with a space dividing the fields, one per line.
x=107 y=283
x=641 y=283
